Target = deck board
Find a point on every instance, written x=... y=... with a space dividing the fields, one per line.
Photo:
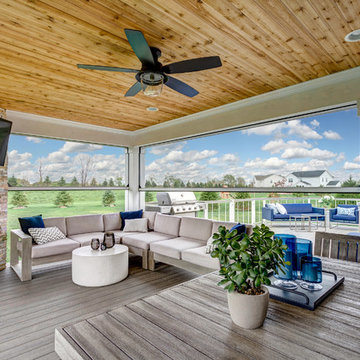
x=193 y=317
x=30 y=311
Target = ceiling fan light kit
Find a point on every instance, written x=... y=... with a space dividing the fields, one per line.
x=153 y=75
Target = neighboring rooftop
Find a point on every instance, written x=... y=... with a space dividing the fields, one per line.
x=333 y=182
x=309 y=174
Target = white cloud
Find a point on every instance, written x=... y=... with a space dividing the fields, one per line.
x=332 y=135
x=340 y=157
x=72 y=147
x=57 y=156
x=266 y=129
x=315 y=123
x=181 y=156
x=357 y=159
x=15 y=157
x=304 y=131
x=276 y=146
x=297 y=153
x=271 y=163
x=351 y=166
x=225 y=159
x=166 y=148
x=35 y=140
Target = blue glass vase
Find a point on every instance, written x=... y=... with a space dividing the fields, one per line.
x=303 y=248
x=311 y=273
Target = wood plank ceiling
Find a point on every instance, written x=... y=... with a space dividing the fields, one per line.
x=264 y=45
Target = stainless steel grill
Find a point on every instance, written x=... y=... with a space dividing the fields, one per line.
x=176 y=203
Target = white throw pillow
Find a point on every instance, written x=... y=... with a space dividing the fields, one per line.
x=139 y=225
x=273 y=207
x=281 y=209
x=345 y=211
x=44 y=235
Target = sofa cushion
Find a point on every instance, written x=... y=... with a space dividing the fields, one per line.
x=280 y=216
x=151 y=216
x=195 y=228
x=119 y=234
x=112 y=221
x=44 y=235
x=174 y=247
x=344 y=217
x=59 y=222
x=215 y=225
x=199 y=257
x=85 y=239
x=31 y=222
x=281 y=209
x=346 y=211
x=143 y=241
x=298 y=208
x=82 y=224
x=272 y=207
x=129 y=215
x=140 y=225
x=57 y=247
x=167 y=224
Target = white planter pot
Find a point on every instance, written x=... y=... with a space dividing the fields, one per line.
x=248 y=311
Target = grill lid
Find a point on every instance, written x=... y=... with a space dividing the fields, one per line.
x=176 y=198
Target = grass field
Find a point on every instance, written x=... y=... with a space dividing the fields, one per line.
x=42 y=202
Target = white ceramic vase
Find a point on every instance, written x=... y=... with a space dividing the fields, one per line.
x=248 y=311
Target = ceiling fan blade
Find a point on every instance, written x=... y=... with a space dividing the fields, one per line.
x=106 y=68
x=134 y=89
x=181 y=87
x=198 y=64
x=140 y=46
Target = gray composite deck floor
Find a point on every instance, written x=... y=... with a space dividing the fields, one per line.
x=30 y=311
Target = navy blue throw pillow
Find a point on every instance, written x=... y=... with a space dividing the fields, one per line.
x=240 y=229
x=31 y=222
x=130 y=215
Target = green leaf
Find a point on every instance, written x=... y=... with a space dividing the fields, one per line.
x=223 y=282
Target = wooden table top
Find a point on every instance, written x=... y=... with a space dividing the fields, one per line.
x=192 y=321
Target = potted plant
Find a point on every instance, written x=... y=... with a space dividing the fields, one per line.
x=245 y=266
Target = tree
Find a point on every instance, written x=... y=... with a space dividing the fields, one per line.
x=108 y=198
x=105 y=183
x=12 y=181
x=47 y=181
x=229 y=180
x=63 y=199
x=40 y=170
x=209 y=196
x=350 y=182
x=19 y=199
x=74 y=181
x=62 y=181
x=240 y=182
x=93 y=182
x=119 y=181
x=240 y=195
x=171 y=182
x=111 y=182
x=86 y=166
x=149 y=196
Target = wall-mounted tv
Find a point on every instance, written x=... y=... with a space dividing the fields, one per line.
x=5 y=129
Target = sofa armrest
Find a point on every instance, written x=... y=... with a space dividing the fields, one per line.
x=357 y=214
x=20 y=234
x=332 y=212
x=318 y=210
x=267 y=214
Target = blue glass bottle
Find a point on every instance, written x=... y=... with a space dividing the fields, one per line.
x=311 y=273
x=303 y=248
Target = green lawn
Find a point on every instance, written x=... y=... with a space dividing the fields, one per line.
x=42 y=202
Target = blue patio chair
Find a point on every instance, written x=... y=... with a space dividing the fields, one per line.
x=336 y=218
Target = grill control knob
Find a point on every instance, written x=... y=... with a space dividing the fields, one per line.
x=184 y=208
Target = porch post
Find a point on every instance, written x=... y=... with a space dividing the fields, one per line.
x=133 y=198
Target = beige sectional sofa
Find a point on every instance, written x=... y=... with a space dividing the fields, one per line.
x=179 y=241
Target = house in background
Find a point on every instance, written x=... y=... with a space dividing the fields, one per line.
x=334 y=183
x=270 y=180
x=313 y=178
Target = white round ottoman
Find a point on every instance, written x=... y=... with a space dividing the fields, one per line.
x=99 y=268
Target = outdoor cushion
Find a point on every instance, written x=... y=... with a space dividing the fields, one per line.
x=167 y=224
x=199 y=257
x=57 y=247
x=112 y=221
x=143 y=240
x=215 y=225
x=45 y=235
x=280 y=216
x=85 y=239
x=59 y=222
x=345 y=211
x=119 y=234
x=272 y=207
x=140 y=225
x=151 y=216
x=195 y=228
x=344 y=217
x=82 y=224
x=298 y=208
x=281 y=209
x=129 y=215
x=174 y=247
x=31 y=222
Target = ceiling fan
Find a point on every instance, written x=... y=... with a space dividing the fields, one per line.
x=153 y=74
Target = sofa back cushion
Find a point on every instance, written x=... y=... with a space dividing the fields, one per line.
x=83 y=224
x=136 y=214
x=195 y=228
x=228 y=225
x=151 y=218
x=298 y=208
x=112 y=221
x=59 y=222
x=167 y=224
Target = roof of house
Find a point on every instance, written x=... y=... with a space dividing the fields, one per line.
x=311 y=173
x=304 y=182
x=262 y=177
x=333 y=182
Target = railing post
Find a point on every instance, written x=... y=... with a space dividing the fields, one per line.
x=253 y=212
x=206 y=211
x=232 y=211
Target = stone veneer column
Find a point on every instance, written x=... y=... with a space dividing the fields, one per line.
x=3 y=209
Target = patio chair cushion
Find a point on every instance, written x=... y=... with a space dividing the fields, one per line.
x=195 y=228
x=129 y=215
x=57 y=247
x=344 y=217
x=59 y=222
x=143 y=240
x=82 y=224
x=167 y=224
x=174 y=247
x=151 y=216
x=345 y=211
x=85 y=239
x=199 y=257
x=112 y=221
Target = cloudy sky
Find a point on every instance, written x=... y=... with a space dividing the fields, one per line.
x=330 y=141
x=62 y=158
